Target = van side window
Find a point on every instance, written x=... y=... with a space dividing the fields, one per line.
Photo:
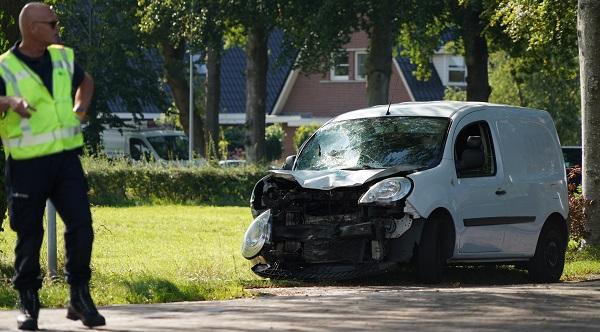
x=474 y=151
x=138 y=150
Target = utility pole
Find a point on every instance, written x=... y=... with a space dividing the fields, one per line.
x=191 y=106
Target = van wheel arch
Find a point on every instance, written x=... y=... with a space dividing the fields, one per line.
x=547 y=263
x=436 y=245
x=557 y=220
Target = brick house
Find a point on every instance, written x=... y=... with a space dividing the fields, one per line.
x=295 y=98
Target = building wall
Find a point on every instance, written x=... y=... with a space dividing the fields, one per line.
x=318 y=96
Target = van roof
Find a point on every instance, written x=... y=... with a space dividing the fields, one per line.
x=444 y=109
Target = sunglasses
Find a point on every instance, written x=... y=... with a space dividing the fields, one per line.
x=52 y=24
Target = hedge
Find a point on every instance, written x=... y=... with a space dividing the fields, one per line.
x=121 y=183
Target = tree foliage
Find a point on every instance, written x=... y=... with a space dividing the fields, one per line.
x=274 y=136
x=539 y=67
x=3 y=41
x=303 y=133
x=108 y=46
x=320 y=29
x=527 y=82
x=178 y=26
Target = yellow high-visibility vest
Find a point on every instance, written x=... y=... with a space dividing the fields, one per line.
x=53 y=126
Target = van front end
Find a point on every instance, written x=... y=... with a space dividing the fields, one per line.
x=335 y=234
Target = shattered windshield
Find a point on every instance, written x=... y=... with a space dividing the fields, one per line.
x=173 y=147
x=381 y=142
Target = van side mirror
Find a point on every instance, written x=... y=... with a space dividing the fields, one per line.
x=289 y=163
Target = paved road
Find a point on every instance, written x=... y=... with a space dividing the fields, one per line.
x=558 y=307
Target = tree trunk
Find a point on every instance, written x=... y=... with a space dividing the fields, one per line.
x=213 y=97
x=256 y=83
x=176 y=79
x=379 y=60
x=476 y=54
x=588 y=31
x=11 y=9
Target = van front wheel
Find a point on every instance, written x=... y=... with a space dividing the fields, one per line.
x=430 y=264
x=547 y=264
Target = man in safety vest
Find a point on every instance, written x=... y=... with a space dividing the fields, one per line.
x=41 y=133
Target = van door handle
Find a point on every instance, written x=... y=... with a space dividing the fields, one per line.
x=500 y=192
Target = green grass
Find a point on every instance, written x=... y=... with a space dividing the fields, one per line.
x=153 y=254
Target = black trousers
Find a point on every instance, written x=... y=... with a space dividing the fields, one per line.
x=29 y=183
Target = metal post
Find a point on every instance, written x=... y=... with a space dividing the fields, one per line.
x=51 y=217
x=191 y=106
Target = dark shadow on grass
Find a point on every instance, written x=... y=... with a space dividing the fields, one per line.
x=149 y=289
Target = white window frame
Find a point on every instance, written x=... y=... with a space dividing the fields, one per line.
x=451 y=67
x=356 y=54
x=334 y=77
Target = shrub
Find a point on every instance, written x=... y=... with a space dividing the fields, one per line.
x=274 y=135
x=121 y=183
x=234 y=135
x=303 y=133
x=577 y=203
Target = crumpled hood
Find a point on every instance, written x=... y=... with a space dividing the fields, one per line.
x=328 y=179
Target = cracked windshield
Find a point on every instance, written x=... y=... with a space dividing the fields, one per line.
x=414 y=142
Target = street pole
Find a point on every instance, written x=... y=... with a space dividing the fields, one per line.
x=51 y=219
x=191 y=107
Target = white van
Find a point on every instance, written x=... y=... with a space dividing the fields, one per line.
x=150 y=144
x=435 y=183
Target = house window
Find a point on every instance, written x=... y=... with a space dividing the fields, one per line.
x=456 y=70
x=360 y=73
x=341 y=70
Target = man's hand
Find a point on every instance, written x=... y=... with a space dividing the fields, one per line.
x=18 y=105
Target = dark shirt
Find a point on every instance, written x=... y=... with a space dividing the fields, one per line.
x=42 y=66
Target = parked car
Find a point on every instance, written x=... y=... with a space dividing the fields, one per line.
x=435 y=183
x=573 y=161
x=232 y=163
x=572 y=156
x=149 y=145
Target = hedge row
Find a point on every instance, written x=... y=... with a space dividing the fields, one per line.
x=120 y=183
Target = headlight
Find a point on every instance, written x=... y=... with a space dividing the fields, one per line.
x=257 y=234
x=387 y=191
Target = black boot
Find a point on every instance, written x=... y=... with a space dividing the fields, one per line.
x=29 y=305
x=82 y=307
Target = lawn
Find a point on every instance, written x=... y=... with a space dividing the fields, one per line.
x=165 y=253
x=153 y=254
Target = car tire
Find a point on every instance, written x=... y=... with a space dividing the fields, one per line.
x=548 y=262
x=430 y=254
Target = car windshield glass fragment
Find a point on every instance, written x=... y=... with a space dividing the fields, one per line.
x=174 y=147
x=382 y=142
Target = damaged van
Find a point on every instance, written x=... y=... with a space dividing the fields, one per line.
x=432 y=183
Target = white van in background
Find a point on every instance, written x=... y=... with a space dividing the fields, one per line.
x=147 y=144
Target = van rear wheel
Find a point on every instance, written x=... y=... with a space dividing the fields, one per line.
x=548 y=262
x=430 y=253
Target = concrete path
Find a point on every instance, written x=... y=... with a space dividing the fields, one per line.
x=557 y=307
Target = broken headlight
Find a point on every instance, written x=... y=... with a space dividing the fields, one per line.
x=257 y=234
x=387 y=191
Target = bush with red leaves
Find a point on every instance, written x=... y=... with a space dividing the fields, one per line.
x=576 y=204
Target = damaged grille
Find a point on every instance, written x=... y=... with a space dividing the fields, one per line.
x=307 y=224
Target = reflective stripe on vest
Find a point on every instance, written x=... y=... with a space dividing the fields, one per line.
x=31 y=140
